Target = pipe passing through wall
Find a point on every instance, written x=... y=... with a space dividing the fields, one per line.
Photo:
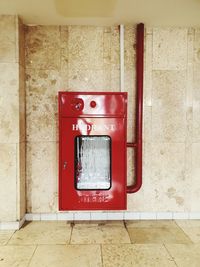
x=137 y=145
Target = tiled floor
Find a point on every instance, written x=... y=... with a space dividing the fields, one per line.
x=102 y=244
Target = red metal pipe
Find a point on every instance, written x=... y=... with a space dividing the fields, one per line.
x=139 y=110
x=131 y=145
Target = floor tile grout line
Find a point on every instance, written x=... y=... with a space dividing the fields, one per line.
x=7 y=243
x=164 y=245
x=93 y=244
x=22 y=245
x=72 y=227
x=32 y=255
x=125 y=226
x=184 y=232
x=101 y=249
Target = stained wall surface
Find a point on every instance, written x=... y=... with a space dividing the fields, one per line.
x=12 y=120
x=87 y=59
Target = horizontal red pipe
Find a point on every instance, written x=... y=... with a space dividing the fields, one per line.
x=131 y=145
x=139 y=110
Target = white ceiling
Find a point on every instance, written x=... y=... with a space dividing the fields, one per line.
x=105 y=12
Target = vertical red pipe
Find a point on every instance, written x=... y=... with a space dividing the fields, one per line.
x=139 y=110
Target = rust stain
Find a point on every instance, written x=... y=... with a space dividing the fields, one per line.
x=53 y=82
x=171 y=193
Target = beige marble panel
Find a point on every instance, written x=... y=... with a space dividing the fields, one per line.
x=107 y=68
x=8 y=190
x=169 y=110
x=85 y=46
x=64 y=39
x=21 y=183
x=67 y=256
x=42 y=47
x=89 y=80
x=169 y=48
x=41 y=177
x=115 y=80
x=190 y=68
x=130 y=87
x=64 y=81
x=191 y=228
x=189 y=125
x=22 y=105
x=42 y=233
x=130 y=130
x=136 y=255
x=5 y=235
x=99 y=233
x=130 y=166
x=7 y=38
x=9 y=79
x=168 y=177
x=148 y=67
x=115 y=48
x=196 y=45
x=169 y=87
x=196 y=121
x=185 y=254
x=144 y=199
x=41 y=106
x=196 y=86
x=147 y=124
x=107 y=47
x=9 y=119
x=131 y=122
x=16 y=255
x=130 y=83
x=9 y=106
x=129 y=47
x=157 y=232
x=20 y=42
x=194 y=183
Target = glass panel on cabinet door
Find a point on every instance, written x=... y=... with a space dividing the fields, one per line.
x=92 y=162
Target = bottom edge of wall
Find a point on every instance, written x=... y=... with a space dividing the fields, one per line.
x=92 y=216
x=98 y=216
x=12 y=225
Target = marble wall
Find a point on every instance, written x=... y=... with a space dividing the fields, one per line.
x=87 y=58
x=12 y=119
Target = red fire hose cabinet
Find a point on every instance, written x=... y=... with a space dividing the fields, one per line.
x=92 y=151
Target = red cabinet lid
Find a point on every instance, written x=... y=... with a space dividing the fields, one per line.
x=92 y=104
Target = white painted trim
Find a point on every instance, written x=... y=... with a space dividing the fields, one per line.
x=33 y=217
x=99 y=215
x=131 y=215
x=180 y=215
x=121 y=57
x=164 y=215
x=112 y=215
x=22 y=221
x=69 y=216
x=82 y=216
x=194 y=216
x=49 y=217
x=115 y=216
x=12 y=225
x=148 y=215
